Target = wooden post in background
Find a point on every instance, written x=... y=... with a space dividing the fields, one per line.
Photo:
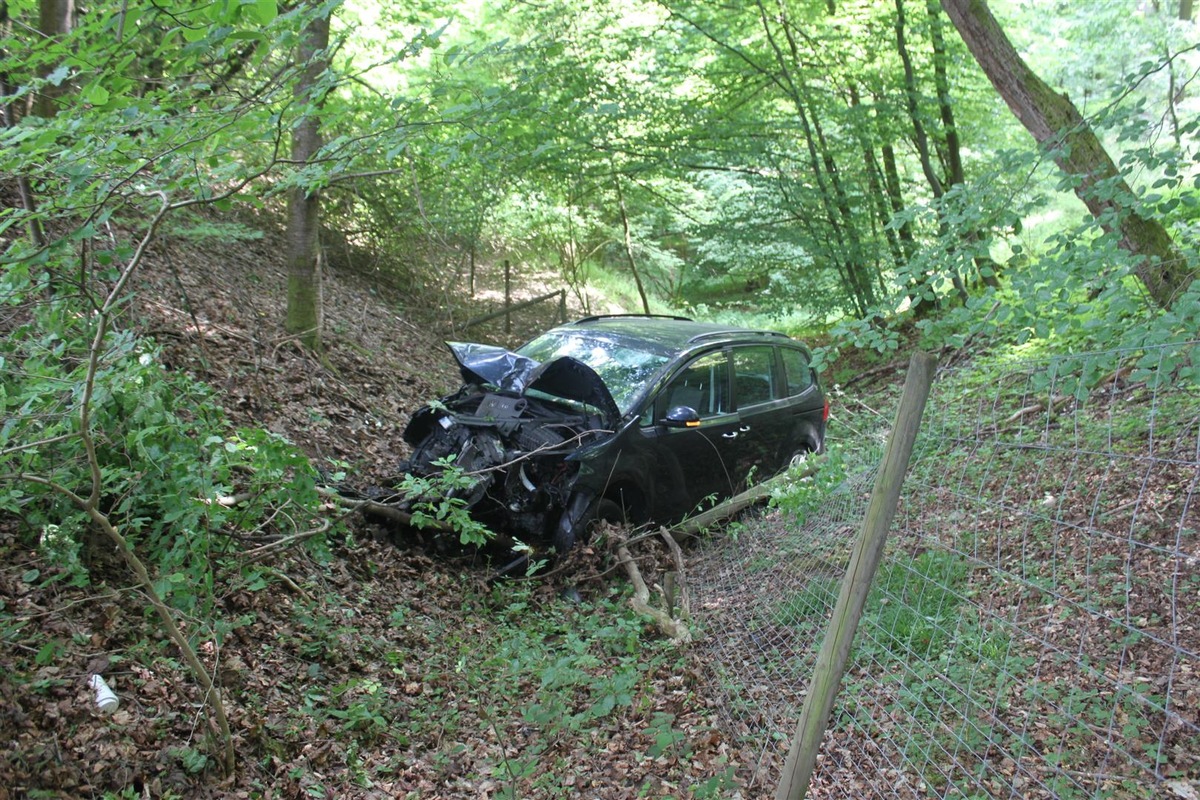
x=507 y=296
x=831 y=661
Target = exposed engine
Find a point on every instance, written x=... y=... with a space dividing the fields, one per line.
x=513 y=447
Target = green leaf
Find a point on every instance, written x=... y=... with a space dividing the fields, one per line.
x=263 y=11
x=48 y=653
x=59 y=75
x=96 y=94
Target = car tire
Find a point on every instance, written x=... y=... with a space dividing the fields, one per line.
x=797 y=458
x=603 y=510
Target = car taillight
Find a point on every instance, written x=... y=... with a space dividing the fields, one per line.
x=825 y=415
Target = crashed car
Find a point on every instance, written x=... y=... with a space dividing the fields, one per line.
x=615 y=418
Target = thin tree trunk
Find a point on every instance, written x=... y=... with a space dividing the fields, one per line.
x=941 y=82
x=920 y=138
x=875 y=187
x=1185 y=10
x=1059 y=128
x=24 y=190
x=895 y=193
x=984 y=265
x=304 y=309
x=54 y=22
x=793 y=89
x=936 y=185
x=637 y=277
x=857 y=259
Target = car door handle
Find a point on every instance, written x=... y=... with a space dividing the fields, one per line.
x=730 y=435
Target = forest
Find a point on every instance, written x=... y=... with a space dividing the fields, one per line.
x=236 y=233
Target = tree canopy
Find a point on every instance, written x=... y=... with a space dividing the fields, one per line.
x=840 y=160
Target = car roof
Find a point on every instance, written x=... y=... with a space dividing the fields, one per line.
x=674 y=333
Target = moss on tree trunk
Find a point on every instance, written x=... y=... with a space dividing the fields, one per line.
x=1059 y=128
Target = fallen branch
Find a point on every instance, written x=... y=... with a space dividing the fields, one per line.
x=1035 y=408
x=674 y=584
x=385 y=511
x=285 y=542
x=872 y=374
x=671 y=627
x=755 y=494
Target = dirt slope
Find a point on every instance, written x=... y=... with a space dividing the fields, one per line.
x=382 y=671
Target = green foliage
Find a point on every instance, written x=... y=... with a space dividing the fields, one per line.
x=165 y=454
x=436 y=501
x=805 y=494
x=916 y=604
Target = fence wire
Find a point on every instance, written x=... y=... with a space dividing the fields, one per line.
x=1034 y=628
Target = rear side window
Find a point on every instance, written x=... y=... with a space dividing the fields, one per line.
x=754 y=375
x=797 y=370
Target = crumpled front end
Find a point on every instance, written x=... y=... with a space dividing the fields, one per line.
x=511 y=430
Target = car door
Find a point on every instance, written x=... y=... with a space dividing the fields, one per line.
x=697 y=461
x=758 y=395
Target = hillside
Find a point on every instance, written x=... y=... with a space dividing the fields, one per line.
x=381 y=667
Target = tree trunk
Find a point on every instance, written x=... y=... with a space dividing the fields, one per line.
x=895 y=193
x=1185 y=10
x=1059 y=128
x=637 y=276
x=879 y=197
x=856 y=263
x=795 y=89
x=54 y=22
x=920 y=138
x=984 y=265
x=304 y=309
x=941 y=82
x=936 y=184
x=8 y=119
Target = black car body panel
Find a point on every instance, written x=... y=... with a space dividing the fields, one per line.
x=666 y=415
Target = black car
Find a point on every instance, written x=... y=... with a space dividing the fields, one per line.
x=619 y=418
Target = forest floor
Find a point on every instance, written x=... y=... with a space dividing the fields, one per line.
x=387 y=668
x=387 y=664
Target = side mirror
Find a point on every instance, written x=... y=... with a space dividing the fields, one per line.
x=682 y=417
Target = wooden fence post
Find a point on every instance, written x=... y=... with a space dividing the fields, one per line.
x=507 y=296
x=831 y=661
x=562 y=306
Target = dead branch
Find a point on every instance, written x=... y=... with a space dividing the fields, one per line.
x=1055 y=403
x=674 y=583
x=289 y=583
x=285 y=542
x=755 y=494
x=873 y=374
x=384 y=511
x=671 y=627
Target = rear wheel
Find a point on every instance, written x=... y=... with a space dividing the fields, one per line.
x=799 y=457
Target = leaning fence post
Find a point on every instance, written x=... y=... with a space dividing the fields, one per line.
x=831 y=661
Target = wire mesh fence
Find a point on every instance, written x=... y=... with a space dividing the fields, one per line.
x=1034 y=629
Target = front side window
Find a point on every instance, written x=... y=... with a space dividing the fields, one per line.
x=703 y=385
x=754 y=375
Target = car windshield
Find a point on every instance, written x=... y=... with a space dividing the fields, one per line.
x=625 y=366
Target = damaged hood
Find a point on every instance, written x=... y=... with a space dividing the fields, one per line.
x=564 y=377
x=484 y=363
